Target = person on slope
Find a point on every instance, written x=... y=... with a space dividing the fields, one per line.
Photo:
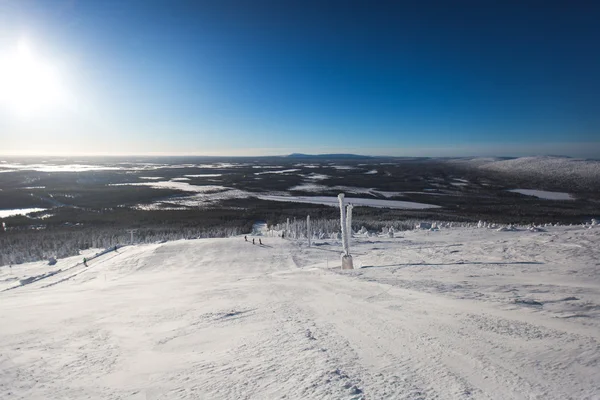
x=85 y=261
x=246 y=238
x=259 y=241
x=252 y=240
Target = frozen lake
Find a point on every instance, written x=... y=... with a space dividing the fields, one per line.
x=21 y=211
x=542 y=194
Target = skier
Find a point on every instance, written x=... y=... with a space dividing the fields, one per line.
x=260 y=241
x=252 y=240
x=85 y=262
x=246 y=238
x=282 y=235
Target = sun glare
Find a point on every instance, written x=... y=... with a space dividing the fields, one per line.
x=28 y=84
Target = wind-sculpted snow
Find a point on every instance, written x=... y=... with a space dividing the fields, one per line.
x=458 y=313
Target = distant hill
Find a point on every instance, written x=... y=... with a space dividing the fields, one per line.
x=329 y=156
x=578 y=173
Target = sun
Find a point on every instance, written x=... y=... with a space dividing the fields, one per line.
x=29 y=85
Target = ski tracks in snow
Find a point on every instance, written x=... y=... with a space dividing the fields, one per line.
x=445 y=315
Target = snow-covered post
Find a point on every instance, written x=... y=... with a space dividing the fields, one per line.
x=343 y=223
x=308 y=229
x=131 y=232
x=348 y=225
x=346 y=257
x=287 y=228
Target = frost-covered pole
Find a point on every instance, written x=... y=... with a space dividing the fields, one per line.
x=346 y=257
x=132 y=231
x=287 y=228
x=343 y=223
x=348 y=226
x=308 y=229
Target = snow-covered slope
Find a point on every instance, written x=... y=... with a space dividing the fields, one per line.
x=563 y=170
x=453 y=314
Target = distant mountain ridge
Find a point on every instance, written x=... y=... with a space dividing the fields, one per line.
x=583 y=174
x=329 y=156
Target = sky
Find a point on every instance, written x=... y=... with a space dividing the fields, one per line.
x=460 y=78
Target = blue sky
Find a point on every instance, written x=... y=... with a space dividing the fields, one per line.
x=246 y=78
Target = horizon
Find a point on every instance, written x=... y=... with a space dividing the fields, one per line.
x=291 y=156
x=233 y=80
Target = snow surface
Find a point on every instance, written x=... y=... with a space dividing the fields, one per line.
x=202 y=199
x=20 y=211
x=283 y=171
x=542 y=194
x=172 y=184
x=57 y=167
x=317 y=177
x=204 y=175
x=317 y=188
x=452 y=314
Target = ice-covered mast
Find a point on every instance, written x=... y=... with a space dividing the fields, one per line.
x=348 y=225
x=308 y=232
x=346 y=257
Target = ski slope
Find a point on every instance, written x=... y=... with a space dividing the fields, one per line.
x=454 y=314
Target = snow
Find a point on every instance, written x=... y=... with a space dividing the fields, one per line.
x=542 y=194
x=309 y=187
x=204 y=175
x=199 y=199
x=563 y=170
x=223 y=165
x=308 y=165
x=371 y=172
x=20 y=211
x=317 y=177
x=183 y=186
x=548 y=166
x=58 y=167
x=283 y=171
x=451 y=314
x=332 y=201
x=316 y=188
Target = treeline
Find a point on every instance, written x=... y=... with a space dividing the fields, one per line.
x=18 y=247
x=330 y=228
